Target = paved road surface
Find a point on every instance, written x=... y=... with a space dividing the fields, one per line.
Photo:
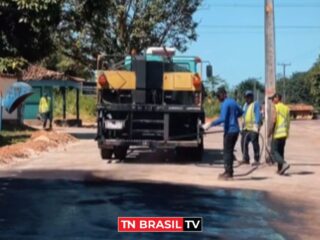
x=289 y=206
x=59 y=209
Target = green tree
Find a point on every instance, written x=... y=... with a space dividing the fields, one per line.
x=26 y=31
x=248 y=84
x=91 y=27
x=314 y=79
x=213 y=83
x=296 y=89
x=302 y=87
x=211 y=104
x=57 y=61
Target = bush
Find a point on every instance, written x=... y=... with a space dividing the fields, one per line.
x=211 y=107
x=87 y=105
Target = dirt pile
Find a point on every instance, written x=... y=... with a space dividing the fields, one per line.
x=39 y=141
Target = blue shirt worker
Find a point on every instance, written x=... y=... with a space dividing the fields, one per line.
x=252 y=120
x=230 y=112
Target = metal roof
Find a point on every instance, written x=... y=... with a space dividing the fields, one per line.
x=38 y=73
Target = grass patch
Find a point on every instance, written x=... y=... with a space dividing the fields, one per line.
x=87 y=106
x=211 y=107
x=14 y=134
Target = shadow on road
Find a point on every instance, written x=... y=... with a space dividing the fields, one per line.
x=306 y=164
x=145 y=156
x=247 y=172
x=84 y=135
x=300 y=173
x=251 y=178
x=60 y=209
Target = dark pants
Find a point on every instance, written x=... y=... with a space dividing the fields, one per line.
x=277 y=151
x=45 y=117
x=246 y=138
x=229 y=143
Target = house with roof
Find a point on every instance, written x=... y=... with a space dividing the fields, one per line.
x=42 y=81
x=6 y=80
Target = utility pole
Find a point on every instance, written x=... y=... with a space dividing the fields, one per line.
x=270 y=71
x=284 y=66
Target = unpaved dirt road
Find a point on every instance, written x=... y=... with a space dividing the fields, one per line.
x=294 y=198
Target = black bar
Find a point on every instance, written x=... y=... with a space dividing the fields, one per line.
x=64 y=104
x=150 y=108
x=192 y=224
x=78 y=105
x=166 y=126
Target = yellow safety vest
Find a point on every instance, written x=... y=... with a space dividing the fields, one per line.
x=282 y=122
x=249 y=118
x=44 y=105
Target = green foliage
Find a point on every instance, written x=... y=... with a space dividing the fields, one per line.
x=87 y=105
x=315 y=90
x=248 y=84
x=314 y=80
x=26 y=29
x=213 y=83
x=297 y=88
x=57 y=61
x=12 y=134
x=211 y=106
x=13 y=137
x=91 y=27
x=12 y=65
x=302 y=87
x=70 y=34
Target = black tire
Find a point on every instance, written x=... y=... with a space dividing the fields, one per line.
x=120 y=152
x=198 y=152
x=106 y=153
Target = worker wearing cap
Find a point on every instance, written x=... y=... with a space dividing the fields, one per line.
x=230 y=112
x=250 y=129
x=45 y=110
x=279 y=132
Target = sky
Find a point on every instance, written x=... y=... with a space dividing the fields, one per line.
x=231 y=37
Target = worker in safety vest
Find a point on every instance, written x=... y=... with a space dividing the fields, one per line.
x=279 y=132
x=252 y=120
x=45 y=110
x=230 y=112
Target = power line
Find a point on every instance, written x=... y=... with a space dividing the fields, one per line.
x=284 y=66
x=241 y=5
x=231 y=32
x=259 y=27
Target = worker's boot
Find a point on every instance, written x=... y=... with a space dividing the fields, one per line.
x=255 y=164
x=284 y=168
x=279 y=168
x=225 y=176
x=245 y=162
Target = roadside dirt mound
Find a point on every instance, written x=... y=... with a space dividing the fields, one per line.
x=39 y=141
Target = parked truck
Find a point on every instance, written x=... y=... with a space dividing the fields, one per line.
x=152 y=100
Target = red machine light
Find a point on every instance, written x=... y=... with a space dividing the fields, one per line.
x=103 y=80
x=197 y=81
x=197 y=60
